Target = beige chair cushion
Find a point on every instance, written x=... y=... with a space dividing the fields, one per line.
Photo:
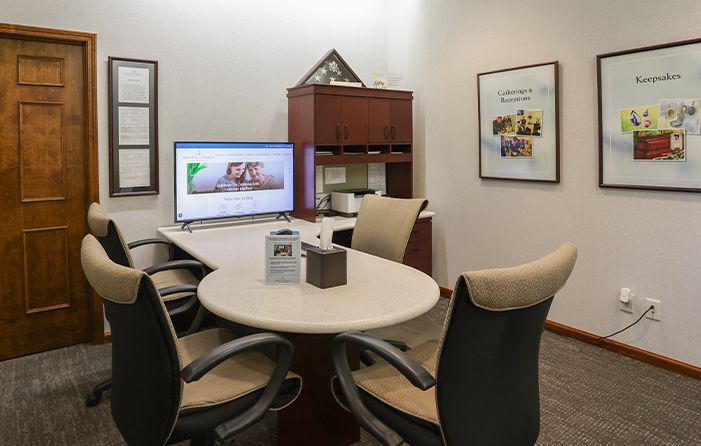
x=388 y=385
x=384 y=225
x=172 y=278
x=99 y=225
x=521 y=286
x=113 y=282
x=235 y=377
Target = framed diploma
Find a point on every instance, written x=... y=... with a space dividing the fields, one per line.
x=650 y=117
x=133 y=124
x=519 y=123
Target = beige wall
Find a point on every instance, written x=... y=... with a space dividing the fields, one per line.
x=648 y=241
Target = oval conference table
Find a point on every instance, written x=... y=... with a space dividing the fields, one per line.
x=379 y=293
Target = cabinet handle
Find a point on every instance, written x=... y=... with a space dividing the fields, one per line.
x=386 y=132
x=393 y=132
x=345 y=129
x=338 y=132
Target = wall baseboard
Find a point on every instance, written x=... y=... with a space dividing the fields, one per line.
x=446 y=292
x=662 y=362
x=626 y=350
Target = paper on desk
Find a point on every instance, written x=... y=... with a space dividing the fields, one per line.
x=319 y=179
x=335 y=175
x=377 y=178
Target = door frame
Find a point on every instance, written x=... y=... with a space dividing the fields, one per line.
x=88 y=42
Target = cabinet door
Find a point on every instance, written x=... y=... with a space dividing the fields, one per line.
x=400 y=125
x=355 y=121
x=327 y=117
x=378 y=120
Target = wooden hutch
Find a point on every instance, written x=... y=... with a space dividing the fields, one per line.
x=340 y=125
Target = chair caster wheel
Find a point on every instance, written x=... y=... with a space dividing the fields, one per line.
x=93 y=399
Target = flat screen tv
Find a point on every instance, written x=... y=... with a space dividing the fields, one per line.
x=232 y=179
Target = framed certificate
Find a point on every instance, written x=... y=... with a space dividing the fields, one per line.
x=133 y=125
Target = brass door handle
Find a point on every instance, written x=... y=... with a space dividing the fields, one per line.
x=338 y=132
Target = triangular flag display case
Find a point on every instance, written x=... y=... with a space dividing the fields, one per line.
x=331 y=67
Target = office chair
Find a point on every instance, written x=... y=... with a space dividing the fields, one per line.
x=384 y=225
x=478 y=384
x=204 y=386
x=383 y=228
x=176 y=280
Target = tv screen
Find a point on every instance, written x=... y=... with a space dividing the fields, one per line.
x=232 y=179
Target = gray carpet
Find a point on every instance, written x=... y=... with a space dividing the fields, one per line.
x=589 y=396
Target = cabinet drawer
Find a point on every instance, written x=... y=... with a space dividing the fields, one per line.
x=421 y=231
x=423 y=264
x=419 y=248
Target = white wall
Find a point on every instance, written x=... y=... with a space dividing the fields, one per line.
x=648 y=241
x=224 y=67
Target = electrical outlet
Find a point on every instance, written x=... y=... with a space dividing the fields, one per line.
x=656 y=313
x=626 y=300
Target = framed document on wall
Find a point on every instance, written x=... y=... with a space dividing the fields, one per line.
x=133 y=124
x=650 y=117
x=518 y=123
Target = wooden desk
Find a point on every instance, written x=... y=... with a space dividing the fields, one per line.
x=379 y=293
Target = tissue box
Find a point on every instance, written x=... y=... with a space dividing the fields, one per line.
x=326 y=268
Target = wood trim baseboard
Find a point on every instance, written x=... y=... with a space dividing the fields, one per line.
x=626 y=350
x=645 y=356
x=446 y=292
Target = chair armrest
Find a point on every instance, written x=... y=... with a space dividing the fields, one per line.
x=404 y=363
x=184 y=288
x=183 y=308
x=202 y=365
x=177 y=264
x=151 y=241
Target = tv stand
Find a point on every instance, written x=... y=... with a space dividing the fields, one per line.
x=187 y=225
x=283 y=215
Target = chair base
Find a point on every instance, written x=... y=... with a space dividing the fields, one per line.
x=94 y=398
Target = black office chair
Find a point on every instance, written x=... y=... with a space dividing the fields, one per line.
x=485 y=364
x=176 y=280
x=205 y=386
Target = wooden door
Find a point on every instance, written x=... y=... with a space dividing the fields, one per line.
x=45 y=187
x=378 y=120
x=327 y=119
x=355 y=120
x=401 y=125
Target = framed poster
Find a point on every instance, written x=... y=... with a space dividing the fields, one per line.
x=650 y=117
x=133 y=124
x=518 y=123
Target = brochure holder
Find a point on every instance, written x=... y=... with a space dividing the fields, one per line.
x=282 y=258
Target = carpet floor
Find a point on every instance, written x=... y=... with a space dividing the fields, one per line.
x=589 y=396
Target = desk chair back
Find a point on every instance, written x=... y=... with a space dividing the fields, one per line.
x=384 y=225
x=146 y=380
x=109 y=236
x=487 y=371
